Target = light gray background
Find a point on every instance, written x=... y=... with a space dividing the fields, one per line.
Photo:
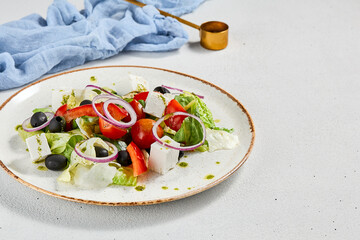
x=295 y=66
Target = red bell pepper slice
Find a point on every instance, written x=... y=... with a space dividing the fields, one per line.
x=87 y=110
x=137 y=158
x=61 y=110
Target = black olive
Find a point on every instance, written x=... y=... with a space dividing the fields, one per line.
x=38 y=119
x=161 y=90
x=127 y=138
x=181 y=154
x=57 y=124
x=124 y=158
x=101 y=152
x=55 y=162
x=85 y=102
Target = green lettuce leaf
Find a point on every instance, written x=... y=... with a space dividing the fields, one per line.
x=194 y=105
x=88 y=125
x=57 y=141
x=124 y=176
x=190 y=132
x=70 y=145
x=42 y=110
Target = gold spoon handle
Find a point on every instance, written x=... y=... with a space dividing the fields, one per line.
x=167 y=14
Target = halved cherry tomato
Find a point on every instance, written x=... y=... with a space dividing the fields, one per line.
x=61 y=110
x=141 y=133
x=139 y=110
x=174 y=122
x=141 y=96
x=137 y=158
x=111 y=131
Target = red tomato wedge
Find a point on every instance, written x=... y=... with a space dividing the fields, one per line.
x=137 y=158
x=141 y=96
x=111 y=131
x=138 y=108
x=174 y=122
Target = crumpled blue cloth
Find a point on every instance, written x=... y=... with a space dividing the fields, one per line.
x=33 y=46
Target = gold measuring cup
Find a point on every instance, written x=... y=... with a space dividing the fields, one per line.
x=213 y=34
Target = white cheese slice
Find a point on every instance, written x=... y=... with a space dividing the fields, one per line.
x=38 y=147
x=155 y=104
x=162 y=158
x=218 y=140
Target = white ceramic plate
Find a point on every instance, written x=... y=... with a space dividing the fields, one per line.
x=204 y=170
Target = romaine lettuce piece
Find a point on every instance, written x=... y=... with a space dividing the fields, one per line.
x=194 y=105
x=85 y=173
x=88 y=125
x=100 y=175
x=190 y=132
x=125 y=177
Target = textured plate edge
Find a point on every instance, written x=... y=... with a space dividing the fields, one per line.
x=149 y=202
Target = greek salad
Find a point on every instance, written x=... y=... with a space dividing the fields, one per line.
x=96 y=137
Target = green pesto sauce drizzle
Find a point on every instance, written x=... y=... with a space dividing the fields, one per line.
x=217 y=162
x=176 y=188
x=42 y=168
x=183 y=164
x=164 y=187
x=65 y=99
x=93 y=79
x=209 y=176
x=140 y=188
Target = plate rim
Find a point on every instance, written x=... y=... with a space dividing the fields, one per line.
x=147 y=202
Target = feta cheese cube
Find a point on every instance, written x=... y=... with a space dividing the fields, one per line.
x=38 y=147
x=155 y=104
x=162 y=158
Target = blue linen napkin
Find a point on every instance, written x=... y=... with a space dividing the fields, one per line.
x=33 y=46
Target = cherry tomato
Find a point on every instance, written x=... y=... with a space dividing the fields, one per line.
x=174 y=122
x=139 y=110
x=111 y=131
x=141 y=96
x=141 y=133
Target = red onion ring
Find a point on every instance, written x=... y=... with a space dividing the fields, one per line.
x=108 y=118
x=109 y=158
x=127 y=107
x=49 y=116
x=180 y=90
x=187 y=148
x=101 y=89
